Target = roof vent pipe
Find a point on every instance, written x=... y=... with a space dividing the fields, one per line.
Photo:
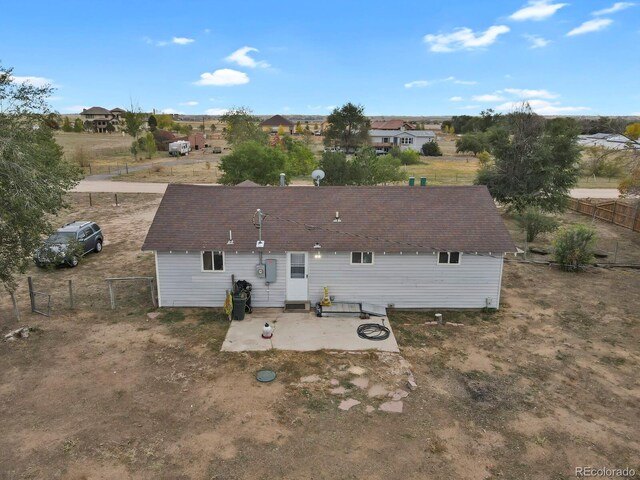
x=412 y=181
x=423 y=181
x=282 y=182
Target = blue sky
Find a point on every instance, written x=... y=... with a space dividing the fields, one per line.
x=574 y=57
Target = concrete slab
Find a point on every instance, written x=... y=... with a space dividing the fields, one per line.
x=392 y=407
x=301 y=331
x=361 y=382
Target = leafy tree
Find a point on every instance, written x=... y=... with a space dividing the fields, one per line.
x=66 y=125
x=471 y=143
x=431 y=149
x=348 y=127
x=88 y=126
x=444 y=126
x=602 y=125
x=602 y=162
x=110 y=128
x=298 y=128
x=34 y=177
x=78 y=126
x=281 y=130
x=536 y=161
x=164 y=121
x=365 y=168
x=251 y=160
x=213 y=128
x=484 y=158
x=534 y=222
x=241 y=126
x=632 y=131
x=152 y=121
x=150 y=144
x=52 y=121
x=336 y=168
x=630 y=185
x=133 y=123
x=406 y=157
x=574 y=246
x=300 y=159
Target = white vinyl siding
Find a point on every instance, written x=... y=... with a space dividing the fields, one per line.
x=408 y=280
x=183 y=283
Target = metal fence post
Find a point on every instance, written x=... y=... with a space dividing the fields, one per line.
x=71 y=294
x=111 y=297
x=31 y=296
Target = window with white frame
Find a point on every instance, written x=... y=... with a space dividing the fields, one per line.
x=361 y=258
x=385 y=139
x=448 y=258
x=406 y=140
x=213 y=261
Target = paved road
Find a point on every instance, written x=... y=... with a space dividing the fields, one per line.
x=595 y=193
x=95 y=186
x=144 y=187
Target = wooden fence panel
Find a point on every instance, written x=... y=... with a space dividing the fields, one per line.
x=615 y=212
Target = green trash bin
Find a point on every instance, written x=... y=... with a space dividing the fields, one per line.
x=239 y=302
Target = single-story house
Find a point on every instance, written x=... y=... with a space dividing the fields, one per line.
x=385 y=140
x=196 y=139
x=401 y=246
x=277 y=122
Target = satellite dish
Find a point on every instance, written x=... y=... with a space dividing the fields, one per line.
x=317 y=175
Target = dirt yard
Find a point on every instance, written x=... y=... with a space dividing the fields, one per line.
x=547 y=384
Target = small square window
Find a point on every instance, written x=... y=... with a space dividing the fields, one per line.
x=448 y=258
x=359 y=258
x=213 y=261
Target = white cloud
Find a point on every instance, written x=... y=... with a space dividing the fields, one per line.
x=590 y=26
x=242 y=58
x=171 y=111
x=223 y=77
x=542 y=107
x=321 y=107
x=74 y=108
x=464 y=82
x=189 y=104
x=417 y=84
x=537 y=41
x=528 y=93
x=464 y=39
x=616 y=7
x=537 y=10
x=456 y=99
x=35 y=81
x=216 y=111
x=182 y=40
x=491 y=97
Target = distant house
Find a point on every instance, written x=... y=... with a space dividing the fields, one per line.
x=410 y=247
x=611 y=141
x=275 y=123
x=385 y=140
x=98 y=119
x=390 y=125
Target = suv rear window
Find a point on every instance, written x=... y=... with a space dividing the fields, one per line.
x=95 y=227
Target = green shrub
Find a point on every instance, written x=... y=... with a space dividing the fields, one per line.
x=574 y=246
x=406 y=157
x=534 y=222
x=431 y=149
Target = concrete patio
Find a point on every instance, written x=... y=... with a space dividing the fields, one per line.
x=302 y=331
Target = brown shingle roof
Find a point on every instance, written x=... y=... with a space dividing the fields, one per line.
x=389 y=219
x=276 y=121
x=96 y=111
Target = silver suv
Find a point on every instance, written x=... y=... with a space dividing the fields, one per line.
x=69 y=243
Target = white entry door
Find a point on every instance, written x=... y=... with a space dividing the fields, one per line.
x=297 y=276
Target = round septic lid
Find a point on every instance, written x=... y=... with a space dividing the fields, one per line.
x=266 y=376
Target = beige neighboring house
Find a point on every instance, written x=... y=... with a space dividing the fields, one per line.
x=98 y=119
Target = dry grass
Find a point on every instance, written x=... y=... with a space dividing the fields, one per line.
x=547 y=383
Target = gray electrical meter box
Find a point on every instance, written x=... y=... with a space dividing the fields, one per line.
x=270 y=270
x=260 y=270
